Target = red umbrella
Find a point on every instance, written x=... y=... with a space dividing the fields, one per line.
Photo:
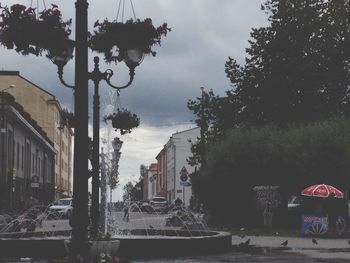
x=322 y=190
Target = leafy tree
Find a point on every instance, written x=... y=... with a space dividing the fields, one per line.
x=293 y=158
x=131 y=192
x=297 y=68
x=143 y=170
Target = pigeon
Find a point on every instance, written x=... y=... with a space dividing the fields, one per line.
x=285 y=243
x=53 y=225
x=244 y=244
x=151 y=227
x=247 y=242
x=314 y=241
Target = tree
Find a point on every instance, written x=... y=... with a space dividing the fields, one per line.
x=131 y=192
x=292 y=157
x=297 y=68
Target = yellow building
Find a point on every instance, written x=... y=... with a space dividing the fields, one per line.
x=45 y=109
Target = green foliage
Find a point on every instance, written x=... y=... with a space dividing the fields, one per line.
x=131 y=192
x=133 y=34
x=297 y=68
x=292 y=158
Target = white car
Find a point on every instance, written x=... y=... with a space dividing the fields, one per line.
x=159 y=203
x=62 y=208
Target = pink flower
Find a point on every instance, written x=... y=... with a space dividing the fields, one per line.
x=18 y=8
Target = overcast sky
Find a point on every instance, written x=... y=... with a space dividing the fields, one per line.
x=204 y=33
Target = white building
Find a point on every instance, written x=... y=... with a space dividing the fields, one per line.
x=177 y=151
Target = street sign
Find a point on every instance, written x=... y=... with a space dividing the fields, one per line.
x=35 y=181
x=183 y=177
x=187 y=183
x=183 y=174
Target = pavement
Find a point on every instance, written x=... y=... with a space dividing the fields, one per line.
x=323 y=248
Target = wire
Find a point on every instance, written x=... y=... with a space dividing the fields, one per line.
x=120 y=1
x=133 y=10
x=123 y=11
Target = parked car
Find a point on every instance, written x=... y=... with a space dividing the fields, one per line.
x=62 y=208
x=159 y=204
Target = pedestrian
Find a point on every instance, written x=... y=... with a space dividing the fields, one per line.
x=331 y=212
x=178 y=202
x=126 y=213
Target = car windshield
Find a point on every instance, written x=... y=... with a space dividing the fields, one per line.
x=158 y=199
x=63 y=202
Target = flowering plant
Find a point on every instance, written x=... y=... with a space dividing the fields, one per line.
x=133 y=34
x=123 y=120
x=20 y=28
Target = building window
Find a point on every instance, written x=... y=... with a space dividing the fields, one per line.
x=33 y=159
x=17 y=156
x=10 y=149
x=22 y=158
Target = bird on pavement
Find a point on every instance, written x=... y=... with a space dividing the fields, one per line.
x=244 y=244
x=53 y=225
x=314 y=241
x=285 y=243
x=241 y=235
x=151 y=227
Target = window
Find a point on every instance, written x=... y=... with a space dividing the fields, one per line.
x=22 y=157
x=10 y=149
x=17 y=156
x=32 y=162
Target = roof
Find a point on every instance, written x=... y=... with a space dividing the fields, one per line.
x=16 y=73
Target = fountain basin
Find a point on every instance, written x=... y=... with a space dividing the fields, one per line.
x=138 y=243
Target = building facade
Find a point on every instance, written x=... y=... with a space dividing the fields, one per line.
x=173 y=166
x=162 y=174
x=152 y=180
x=46 y=111
x=26 y=158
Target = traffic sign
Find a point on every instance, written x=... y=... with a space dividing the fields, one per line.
x=183 y=177
x=35 y=181
x=187 y=183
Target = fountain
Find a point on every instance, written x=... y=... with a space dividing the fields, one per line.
x=144 y=234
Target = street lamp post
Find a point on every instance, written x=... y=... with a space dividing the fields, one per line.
x=133 y=57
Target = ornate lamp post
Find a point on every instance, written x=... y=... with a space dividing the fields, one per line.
x=133 y=57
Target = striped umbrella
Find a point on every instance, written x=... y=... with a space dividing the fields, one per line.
x=322 y=190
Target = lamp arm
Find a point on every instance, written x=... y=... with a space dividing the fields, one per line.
x=109 y=73
x=60 y=76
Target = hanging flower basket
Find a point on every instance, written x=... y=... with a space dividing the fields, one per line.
x=22 y=30
x=133 y=34
x=123 y=120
